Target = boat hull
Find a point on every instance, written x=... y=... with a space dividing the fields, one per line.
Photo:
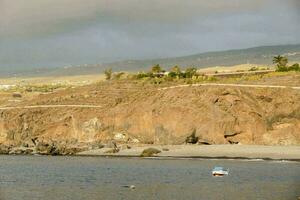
x=223 y=173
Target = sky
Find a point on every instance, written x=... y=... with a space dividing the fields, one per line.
x=53 y=33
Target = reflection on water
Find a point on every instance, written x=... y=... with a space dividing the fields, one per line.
x=90 y=178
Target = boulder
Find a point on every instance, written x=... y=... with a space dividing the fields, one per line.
x=4 y=149
x=16 y=151
x=133 y=140
x=124 y=147
x=17 y=95
x=53 y=148
x=120 y=137
x=20 y=150
x=150 y=152
x=204 y=142
x=72 y=150
x=96 y=145
x=111 y=144
x=230 y=134
x=42 y=147
x=45 y=148
x=28 y=151
x=28 y=143
x=112 y=150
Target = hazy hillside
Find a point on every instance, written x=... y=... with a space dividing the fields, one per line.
x=256 y=55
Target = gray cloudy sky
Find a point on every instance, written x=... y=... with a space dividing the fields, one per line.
x=46 y=33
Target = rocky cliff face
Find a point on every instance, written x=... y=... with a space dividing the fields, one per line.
x=146 y=115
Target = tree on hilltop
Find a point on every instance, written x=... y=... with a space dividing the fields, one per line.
x=280 y=61
x=156 y=69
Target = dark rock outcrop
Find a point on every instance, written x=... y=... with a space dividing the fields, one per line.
x=192 y=139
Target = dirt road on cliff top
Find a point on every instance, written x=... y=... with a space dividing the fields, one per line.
x=50 y=106
x=232 y=85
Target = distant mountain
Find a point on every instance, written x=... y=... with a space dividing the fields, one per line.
x=258 y=55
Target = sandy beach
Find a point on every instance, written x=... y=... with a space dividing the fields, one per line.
x=209 y=151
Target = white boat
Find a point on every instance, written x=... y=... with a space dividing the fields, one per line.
x=219 y=171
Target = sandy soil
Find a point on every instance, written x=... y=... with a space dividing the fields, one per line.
x=210 y=151
x=69 y=80
x=231 y=68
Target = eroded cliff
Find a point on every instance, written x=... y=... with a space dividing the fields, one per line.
x=133 y=113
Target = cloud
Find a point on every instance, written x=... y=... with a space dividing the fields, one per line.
x=36 y=17
x=63 y=32
x=23 y=17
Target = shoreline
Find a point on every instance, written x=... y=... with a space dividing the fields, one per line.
x=191 y=158
x=205 y=152
x=164 y=157
x=225 y=152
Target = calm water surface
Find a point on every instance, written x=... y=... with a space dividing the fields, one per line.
x=93 y=178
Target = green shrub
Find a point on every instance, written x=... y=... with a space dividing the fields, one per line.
x=253 y=69
x=172 y=74
x=168 y=78
x=212 y=78
x=141 y=75
x=190 y=72
x=281 y=68
x=294 y=67
x=108 y=74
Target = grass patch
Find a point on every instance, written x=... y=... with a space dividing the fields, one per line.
x=36 y=88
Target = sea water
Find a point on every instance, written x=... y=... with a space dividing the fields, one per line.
x=93 y=178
